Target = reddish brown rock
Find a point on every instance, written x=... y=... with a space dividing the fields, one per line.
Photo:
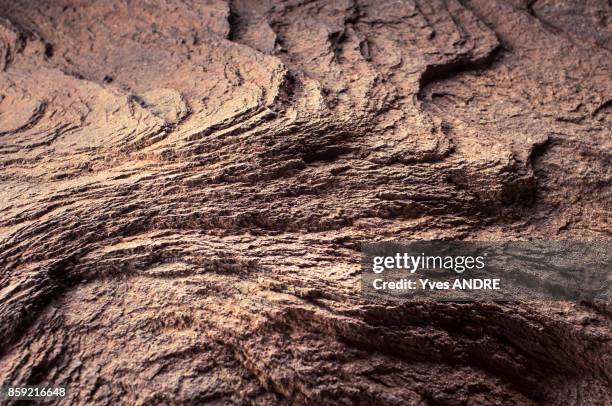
x=185 y=188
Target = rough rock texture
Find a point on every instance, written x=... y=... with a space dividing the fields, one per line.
x=185 y=186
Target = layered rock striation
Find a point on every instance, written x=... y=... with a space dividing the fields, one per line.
x=185 y=187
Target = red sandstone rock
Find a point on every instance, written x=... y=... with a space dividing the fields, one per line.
x=185 y=188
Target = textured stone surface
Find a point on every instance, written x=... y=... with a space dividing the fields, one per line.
x=185 y=186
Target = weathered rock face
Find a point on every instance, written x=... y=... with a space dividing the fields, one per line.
x=185 y=187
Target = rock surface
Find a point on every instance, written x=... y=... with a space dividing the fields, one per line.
x=185 y=187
